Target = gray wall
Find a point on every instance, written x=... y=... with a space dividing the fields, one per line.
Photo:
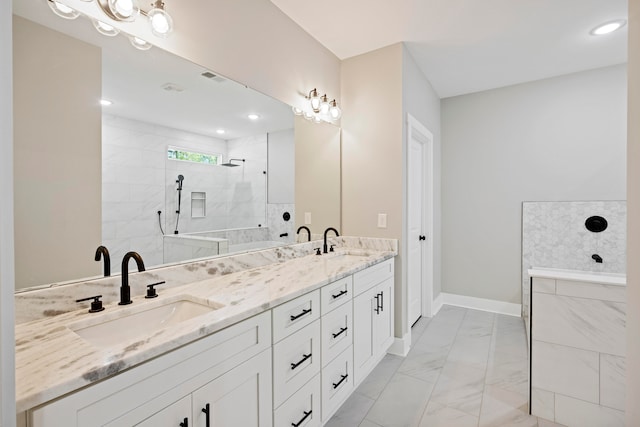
x=421 y=101
x=562 y=138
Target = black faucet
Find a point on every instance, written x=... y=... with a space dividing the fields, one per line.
x=304 y=227
x=125 y=291
x=104 y=252
x=325 y=238
x=597 y=258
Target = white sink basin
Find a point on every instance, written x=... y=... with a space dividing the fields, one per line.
x=140 y=323
x=341 y=255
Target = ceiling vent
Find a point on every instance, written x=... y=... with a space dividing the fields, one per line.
x=209 y=75
x=172 y=87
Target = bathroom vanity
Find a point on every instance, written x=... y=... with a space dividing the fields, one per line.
x=281 y=344
x=578 y=347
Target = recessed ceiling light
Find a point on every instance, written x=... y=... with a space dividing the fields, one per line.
x=608 y=27
x=105 y=102
x=220 y=131
x=253 y=116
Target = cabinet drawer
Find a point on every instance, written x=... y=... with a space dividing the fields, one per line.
x=302 y=409
x=337 y=332
x=296 y=359
x=335 y=294
x=295 y=315
x=371 y=276
x=337 y=383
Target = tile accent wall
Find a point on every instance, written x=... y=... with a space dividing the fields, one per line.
x=578 y=352
x=554 y=236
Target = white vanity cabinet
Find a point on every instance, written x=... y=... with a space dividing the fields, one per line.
x=372 y=317
x=228 y=369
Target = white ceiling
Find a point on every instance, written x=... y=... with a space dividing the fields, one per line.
x=465 y=46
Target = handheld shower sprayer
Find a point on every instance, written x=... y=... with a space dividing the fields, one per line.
x=179 y=189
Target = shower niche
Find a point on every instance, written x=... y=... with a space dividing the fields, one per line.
x=198 y=204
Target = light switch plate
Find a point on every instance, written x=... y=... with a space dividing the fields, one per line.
x=307 y=218
x=382 y=220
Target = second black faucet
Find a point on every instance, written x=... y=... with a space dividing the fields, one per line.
x=125 y=290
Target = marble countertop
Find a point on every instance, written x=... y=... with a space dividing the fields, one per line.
x=579 y=276
x=52 y=360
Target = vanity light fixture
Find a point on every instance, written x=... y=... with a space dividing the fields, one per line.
x=123 y=11
x=140 y=44
x=62 y=10
x=319 y=108
x=105 y=29
x=608 y=27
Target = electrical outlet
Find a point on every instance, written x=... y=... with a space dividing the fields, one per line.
x=307 y=218
x=382 y=220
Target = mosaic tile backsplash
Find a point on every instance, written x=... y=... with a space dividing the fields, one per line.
x=554 y=235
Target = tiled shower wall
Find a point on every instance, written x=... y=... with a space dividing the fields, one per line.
x=139 y=181
x=554 y=235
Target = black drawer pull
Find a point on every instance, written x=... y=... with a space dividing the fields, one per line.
x=381 y=301
x=339 y=294
x=207 y=412
x=377 y=309
x=306 y=415
x=344 y=377
x=342 y=330
x=305 y=311
x=185 y=423
x=304 y=358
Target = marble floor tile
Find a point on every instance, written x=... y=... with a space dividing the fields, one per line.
x=424 y=365
x=418 y=329
x=352 y=412
x=402 y=402
x=466 y=368
x=459 y=394
x=502 y=407
x=377 y=380
x=437 y=415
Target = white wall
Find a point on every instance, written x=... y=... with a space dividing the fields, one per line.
x=556 y=139
x=7 y=340
x=633 y=222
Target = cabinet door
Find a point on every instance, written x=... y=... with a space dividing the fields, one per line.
x=364 y=310
x=171 y=416
x=241 y=397
x=383 y=319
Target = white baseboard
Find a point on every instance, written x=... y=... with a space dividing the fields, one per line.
x=401 y=346
x=483 y=304
x=437 y=304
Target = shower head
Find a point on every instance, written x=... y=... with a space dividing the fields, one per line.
x=179 y=181
x=229 y=164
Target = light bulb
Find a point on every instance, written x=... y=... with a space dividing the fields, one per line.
x=62 y=10
x=324 y=104
x=105 y=29
x=124 y=10
x=608 y=27
x=307 y=115
x=138 y=43
x=334 y=111
x=161 y=22
x=314 y=100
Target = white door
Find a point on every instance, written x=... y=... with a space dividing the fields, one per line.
x=419 y=240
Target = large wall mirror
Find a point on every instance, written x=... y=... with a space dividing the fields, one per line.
x=176 y=168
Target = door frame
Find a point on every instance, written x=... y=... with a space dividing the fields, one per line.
x=418 y=132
